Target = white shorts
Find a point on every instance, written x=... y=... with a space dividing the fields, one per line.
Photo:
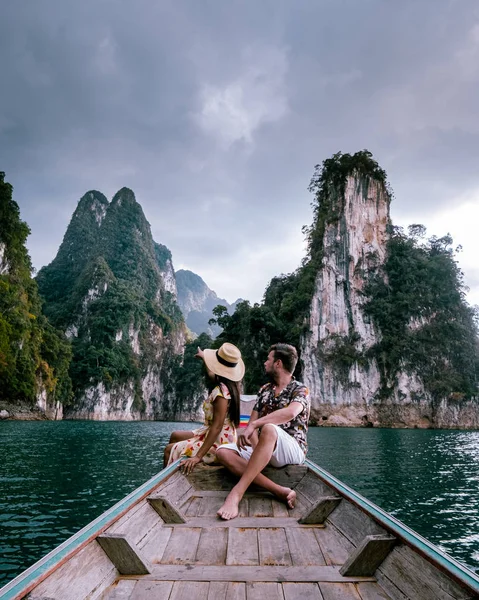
x=286 y=452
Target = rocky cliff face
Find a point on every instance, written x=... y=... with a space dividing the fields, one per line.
x=112 y=289
x=197 y=301
x=338 y=362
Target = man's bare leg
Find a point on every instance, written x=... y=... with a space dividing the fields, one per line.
x=237 y=465
x=252 y=472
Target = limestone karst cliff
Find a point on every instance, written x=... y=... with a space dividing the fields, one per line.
x=112 y=289
x=383 y=346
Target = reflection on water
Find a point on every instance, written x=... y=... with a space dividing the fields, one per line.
x=55 y=477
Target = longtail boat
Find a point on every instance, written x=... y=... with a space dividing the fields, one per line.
x=164 y=541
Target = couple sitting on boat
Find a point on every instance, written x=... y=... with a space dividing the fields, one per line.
x=276 y=432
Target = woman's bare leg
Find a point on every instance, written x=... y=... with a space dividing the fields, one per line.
x=180 y=436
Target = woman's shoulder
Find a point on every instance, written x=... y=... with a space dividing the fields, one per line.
x=220 y=390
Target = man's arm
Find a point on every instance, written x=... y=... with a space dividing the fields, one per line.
x=277 y=417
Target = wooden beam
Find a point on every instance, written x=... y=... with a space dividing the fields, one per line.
x=124 y=554
x=320 y=510
x=251 y=522
x=367 y=557
x=192 y=572
x=166 y=510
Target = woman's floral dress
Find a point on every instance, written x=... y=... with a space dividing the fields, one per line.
x=227 y=434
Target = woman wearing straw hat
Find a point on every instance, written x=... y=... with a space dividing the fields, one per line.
x=225 y=369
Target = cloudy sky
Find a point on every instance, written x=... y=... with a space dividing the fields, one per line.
x=215 y=113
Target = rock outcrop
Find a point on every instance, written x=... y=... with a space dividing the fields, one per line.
x=197 y=301
x=112 y=289
x=338 y=351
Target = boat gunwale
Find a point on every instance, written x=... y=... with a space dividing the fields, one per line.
x=27 y=580
x=447 y=564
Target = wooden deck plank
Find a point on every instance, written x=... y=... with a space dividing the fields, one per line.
x=273 y=547
x=187 y=590
x=191 y=510
x=264 y=591
x=212 y=546
x=279 y=508
x=241 y=522
x=335 y=547
x=155 y=545
x=191 y=572
x=243 y=508
x=169 y=512
x=218 y=478
x=304 y=547
x=152 y=590
x=121 y=591
x=302 y=591
x=367 y=557
x=242 y=547
x=371 y=591
x=209 y=506
x=227 y=590
x=339 y=591
x=260 y=507
x=182 y=546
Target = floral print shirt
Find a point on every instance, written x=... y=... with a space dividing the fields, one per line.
x=267 y=402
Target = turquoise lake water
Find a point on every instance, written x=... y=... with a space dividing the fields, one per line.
x=55 y=477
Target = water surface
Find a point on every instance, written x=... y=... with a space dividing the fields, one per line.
x=55 y=477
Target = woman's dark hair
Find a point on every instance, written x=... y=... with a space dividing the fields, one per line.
x=234 y=390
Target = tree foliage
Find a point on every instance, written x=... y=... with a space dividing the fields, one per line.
x=418 y=304
x=33 y=355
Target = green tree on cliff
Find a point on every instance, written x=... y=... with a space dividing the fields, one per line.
x=33 y=355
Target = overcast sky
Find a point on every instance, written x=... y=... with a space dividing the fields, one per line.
x=215 y=113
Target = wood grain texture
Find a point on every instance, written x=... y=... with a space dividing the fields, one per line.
x=264 y=591
x=416 y=578
x=367 y=557
x=242 y=547
x=227 y=590
x=189 y=572
x=354 y=523
x=168 y=512
x=260 y=507
x=302 y=591
x=339 y=591
x=304 y=547
x=320 y=510
x=336 y=548
x=152 y=590
x=273 y=547
x=371 y=591
x=189 y=590
x=65 y=583
x=156 y=543
x=182 y=546
x=121 y=591
x=124 y=554
x=212 y=547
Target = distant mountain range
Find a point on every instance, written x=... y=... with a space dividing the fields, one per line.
x=197 y=301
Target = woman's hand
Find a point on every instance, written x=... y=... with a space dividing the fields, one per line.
x=189 y=464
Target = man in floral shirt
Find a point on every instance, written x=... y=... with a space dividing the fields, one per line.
x=275 y=435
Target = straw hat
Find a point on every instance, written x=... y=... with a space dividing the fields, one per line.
x=226 y=362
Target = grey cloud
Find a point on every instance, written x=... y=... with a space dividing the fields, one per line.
x=216 y=113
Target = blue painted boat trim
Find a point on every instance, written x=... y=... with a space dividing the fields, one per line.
x=18 y=586
x=446 y=563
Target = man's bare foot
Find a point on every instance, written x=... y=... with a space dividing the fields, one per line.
x=289 y=497
x=230 y=509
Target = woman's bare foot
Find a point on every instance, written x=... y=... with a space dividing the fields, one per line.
x=230 y=509
x=288 y=496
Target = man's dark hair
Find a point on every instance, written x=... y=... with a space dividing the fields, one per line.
x=286 y=354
